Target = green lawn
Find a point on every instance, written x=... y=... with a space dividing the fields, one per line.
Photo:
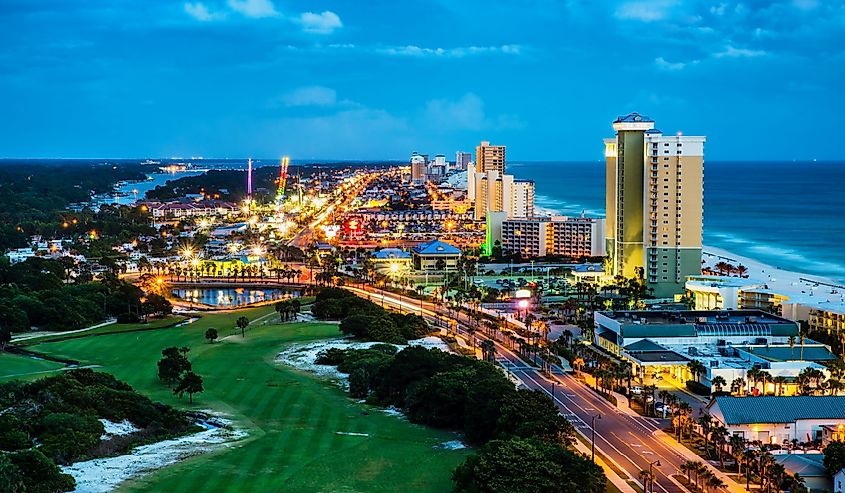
x=292 y=417
x=13 y=366
x=107 y=329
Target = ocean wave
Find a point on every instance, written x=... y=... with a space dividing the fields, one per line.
x=776 y=255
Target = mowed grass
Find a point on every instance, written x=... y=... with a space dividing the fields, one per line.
x=292 y=417
x=13 y=366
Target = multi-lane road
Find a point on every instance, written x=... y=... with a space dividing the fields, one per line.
x=627 y=441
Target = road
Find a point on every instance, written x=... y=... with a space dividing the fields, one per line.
x=629 y=442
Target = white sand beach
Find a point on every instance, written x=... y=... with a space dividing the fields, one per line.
x=791 y=283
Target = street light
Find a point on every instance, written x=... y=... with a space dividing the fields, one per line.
x=593 y=440
x=651 y=473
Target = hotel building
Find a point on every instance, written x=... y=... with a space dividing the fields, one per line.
x=495 y=192
x=489 y=157
x=654 y=194
x=557 y=235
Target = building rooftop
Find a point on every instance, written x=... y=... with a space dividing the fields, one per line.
x=391 y=253
x=778 y=409
x=807 y=465
x=816 y=352
x=436 y=247
x=633 y=118
x=694 y=323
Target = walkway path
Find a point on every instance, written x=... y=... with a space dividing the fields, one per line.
x=38 y=334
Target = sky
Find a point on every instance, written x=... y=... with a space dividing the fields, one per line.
x=379 y=79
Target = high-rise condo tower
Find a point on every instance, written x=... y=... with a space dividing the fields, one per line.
x=654 y=193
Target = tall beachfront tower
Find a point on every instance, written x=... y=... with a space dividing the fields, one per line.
x=489 y=158
x=654 y=193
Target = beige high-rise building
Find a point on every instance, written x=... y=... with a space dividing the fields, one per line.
x=495 y=192
x=654 y=194
x=489 y=158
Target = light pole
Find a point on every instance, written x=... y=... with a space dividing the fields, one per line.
x=593 y=440
x=651 y=473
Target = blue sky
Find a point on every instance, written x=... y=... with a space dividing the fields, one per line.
x=377 y=79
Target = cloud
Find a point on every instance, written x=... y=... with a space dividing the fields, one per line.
x=664 y=64
x=200 y=12
x=323 y=23
x=459 y=52
x=310 y=96
x=465 y=113
x=732 y=52
x=254 y=8
x=652 y=11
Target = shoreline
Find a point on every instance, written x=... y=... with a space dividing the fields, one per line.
x=796 y=285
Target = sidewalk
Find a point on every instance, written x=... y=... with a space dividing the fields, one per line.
x=730 y=485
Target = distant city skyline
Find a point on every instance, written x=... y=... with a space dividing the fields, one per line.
x=333 y=80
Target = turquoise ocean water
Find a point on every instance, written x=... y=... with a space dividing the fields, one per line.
x=787 y=214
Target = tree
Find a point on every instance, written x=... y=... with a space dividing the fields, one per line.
x=834 y=457
x=40 y=474
x=242 y=323
x=11 y=479
x=211 y=335
x=173 y=364
x=718 y=382
x=5 y=338
x=696 y=368
x=532 y=414
x=190 y=384
x=506 y=466
x=156 y=305
x=646 y=477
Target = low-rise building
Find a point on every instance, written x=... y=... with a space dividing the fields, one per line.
x=555 y=235
x=385 y=258
x=729 y=344
x=777 y=419
x=435 y=256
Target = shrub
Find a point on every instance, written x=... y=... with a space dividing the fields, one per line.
x=697 y=388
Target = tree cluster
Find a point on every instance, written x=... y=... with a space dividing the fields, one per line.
x=56 y=421
x=367 y=321
x=443 y=390
x=41 y=292
x=174 y=367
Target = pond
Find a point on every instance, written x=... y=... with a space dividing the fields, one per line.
x=231 y=296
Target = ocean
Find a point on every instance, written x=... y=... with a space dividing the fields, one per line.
x=786 y=214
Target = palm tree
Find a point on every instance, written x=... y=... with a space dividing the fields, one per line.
x=780 y=382
x=719 y=436
x=488 y=349
x=718 y=382
x=706 y=423
x=714 y=483
x=647 y=479
x=737 y=386
x=749 y=456
x=688 y=468
x=696 y=368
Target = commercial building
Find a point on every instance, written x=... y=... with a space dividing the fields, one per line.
x=435 y=256
x=495 y=192
x=462 y=160
x=556 y=235
x=385 y=259
x=780 y=420
x=419 y=168
x=821 y=306
x=489 y=158
x=728 y=343
x=654 y=195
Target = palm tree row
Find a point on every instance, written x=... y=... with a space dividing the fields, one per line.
x=699 y=474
